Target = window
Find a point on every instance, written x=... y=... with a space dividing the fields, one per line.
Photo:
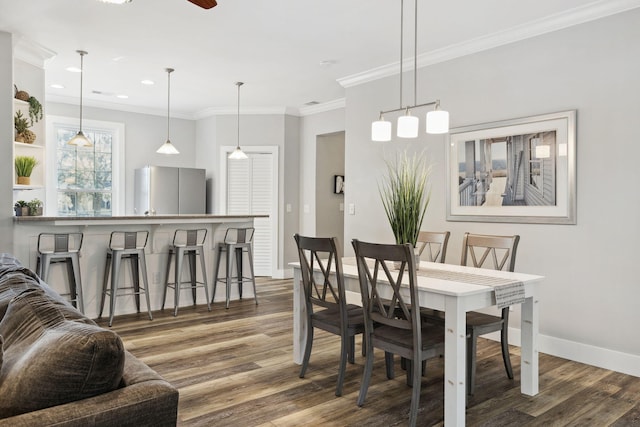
x=535 y=164
x=88 y=180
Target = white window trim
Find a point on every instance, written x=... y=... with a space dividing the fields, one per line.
x=117 y=153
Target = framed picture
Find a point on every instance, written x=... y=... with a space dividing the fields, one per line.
x=338 y=184
x=520 y=170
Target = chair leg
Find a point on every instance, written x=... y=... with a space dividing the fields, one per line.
x=105 y=282
x=166 y=278
x=135 y=278
x=415 y=392
x=351 y=349
x=115 y=276
x=388 y=362
x=345 y=342
x=253 y=276
x=307 y=348
x=366 y=374
x=72 y=282
x=472 y=342
x=240 y=270
x=504 y=339
x=145 y=281
x=77 y=279
x=192 y=273
x=205 y=281
x=177 y=280
x=215 y=273
x=230 y=253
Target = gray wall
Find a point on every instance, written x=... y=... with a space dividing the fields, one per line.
x=6 y=142
x=589 y=299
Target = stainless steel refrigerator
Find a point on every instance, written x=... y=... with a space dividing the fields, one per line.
x=161 y=190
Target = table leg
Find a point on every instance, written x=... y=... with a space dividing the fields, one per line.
x=299 y=317
x=454 y=363
x=529 y=348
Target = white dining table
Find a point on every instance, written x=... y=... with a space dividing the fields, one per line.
x=455 y=298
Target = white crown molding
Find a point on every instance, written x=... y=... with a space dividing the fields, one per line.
x=569 y=18
x=31 y=52
x=209 y=112
x=117 y=107
x=321 y=108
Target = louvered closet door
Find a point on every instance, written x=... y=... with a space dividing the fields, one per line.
x=249 y=191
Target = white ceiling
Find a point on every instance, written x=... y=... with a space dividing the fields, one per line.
x=288 y=52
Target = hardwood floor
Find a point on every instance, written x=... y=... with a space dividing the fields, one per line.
x=234 y=368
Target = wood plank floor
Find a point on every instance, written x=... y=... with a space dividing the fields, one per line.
x=234 y=368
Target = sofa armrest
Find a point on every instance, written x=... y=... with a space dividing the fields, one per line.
x=144 y=400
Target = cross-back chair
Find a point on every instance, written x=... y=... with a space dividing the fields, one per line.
x=384 y=295
x=325 y=303
x=497 y=253
x=435 y=244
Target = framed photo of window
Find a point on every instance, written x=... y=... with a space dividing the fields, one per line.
x=519 y=170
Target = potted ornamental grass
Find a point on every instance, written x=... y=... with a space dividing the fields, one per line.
x=405 y=195
x=24 y=166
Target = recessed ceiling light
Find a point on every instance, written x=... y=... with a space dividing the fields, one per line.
x=74 y=69
x=117 y=58
x=122 y=96
x=148 y=82
x=57 y=86
x=327 y=62
x=116 y=1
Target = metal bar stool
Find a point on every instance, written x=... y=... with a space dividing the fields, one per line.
x=58 y=248
x=126 y=245
x=189 y=243
x=237 y=241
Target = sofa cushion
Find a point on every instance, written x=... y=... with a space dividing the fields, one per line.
x=49 y=360
x=13 y=283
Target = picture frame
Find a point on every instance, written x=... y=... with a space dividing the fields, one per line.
x=338 y=184
x=519 y=170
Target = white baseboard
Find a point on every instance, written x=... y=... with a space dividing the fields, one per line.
x=595 y=356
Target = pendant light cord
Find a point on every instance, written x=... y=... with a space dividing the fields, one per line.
x=82 y=54
x=169 y=71
x=415 y=54
x=401 y=45
x=238 y=84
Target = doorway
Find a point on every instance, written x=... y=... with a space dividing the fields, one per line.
x=331 y=184
x=250 y=187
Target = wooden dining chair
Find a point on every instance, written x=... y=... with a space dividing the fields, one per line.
x=497 y=253
x=325 y=301
x=404 y=335
x=435 y=244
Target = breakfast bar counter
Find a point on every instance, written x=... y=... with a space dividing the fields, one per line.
x=97 y=231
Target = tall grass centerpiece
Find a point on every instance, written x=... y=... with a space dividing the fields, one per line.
x=405 y=196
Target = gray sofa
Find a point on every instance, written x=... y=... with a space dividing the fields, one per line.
x=57 y=367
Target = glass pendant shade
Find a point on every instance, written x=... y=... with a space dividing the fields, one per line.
x=381 y=130
x=167 y=148
x=437 y=121
x=408 y=126
x=81 y=140
x=237 y=154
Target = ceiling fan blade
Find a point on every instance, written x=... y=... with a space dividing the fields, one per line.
x=205 y=4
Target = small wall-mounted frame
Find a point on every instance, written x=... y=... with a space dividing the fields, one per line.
x=338 y=184
x=520 y=170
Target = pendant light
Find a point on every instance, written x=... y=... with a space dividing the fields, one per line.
x=80 y=138
x=167 y=147
x=238 y=154
x=408 y=125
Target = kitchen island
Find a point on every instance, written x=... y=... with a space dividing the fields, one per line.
x=97 y=231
